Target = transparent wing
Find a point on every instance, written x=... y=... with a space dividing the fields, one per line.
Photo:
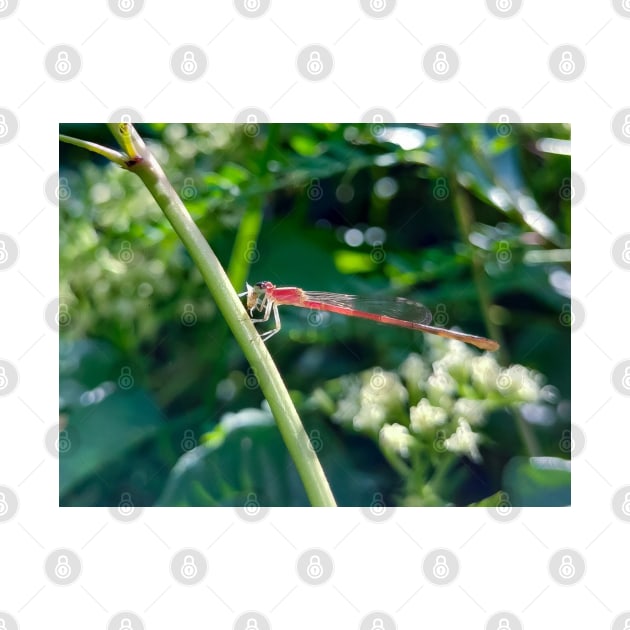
x=396 y=307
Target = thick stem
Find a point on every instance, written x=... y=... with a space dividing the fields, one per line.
x=271 y=383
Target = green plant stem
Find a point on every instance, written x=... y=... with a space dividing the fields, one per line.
x=271 y=383
x=115 y=156
x=465 y=219
x=464 y=215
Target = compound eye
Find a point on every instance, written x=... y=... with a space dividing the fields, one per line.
x=261 y=285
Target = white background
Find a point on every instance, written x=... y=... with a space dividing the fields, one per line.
x=378 y=63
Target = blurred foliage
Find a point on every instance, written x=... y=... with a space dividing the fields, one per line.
x=156 y=401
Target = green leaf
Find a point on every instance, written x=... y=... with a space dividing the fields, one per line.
x=97 y=434
x=538 y=481
x=245 y=455
x=103 y=422
x=494 y=500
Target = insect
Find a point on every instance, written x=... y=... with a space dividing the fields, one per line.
x=264 y=298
